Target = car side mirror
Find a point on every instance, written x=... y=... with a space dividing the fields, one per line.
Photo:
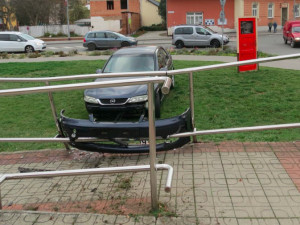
x=99 y=71
x=19 y=40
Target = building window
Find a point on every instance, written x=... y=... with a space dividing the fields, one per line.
x=110 y=4
x=194 y=18
x=124 y=4
x=297 y=9
x=270 y=10
x=255 y=9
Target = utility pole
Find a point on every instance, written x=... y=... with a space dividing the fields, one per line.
x=68 y=23
x=294 y=10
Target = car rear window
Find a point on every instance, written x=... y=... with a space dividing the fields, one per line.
x=184 y=30
x=129 y=63
x=91 y=35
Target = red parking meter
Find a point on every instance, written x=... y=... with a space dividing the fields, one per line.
x=247 y=42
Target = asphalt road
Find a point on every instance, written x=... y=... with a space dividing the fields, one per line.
x=267 y=42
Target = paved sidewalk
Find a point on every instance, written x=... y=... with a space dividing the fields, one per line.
x=227 y=183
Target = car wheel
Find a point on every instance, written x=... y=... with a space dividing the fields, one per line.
x=215 y=43
x=157 y=105
x=293 y=44
x=29 y=49
x=125 y=44
x=179 y=44
x=91 y=47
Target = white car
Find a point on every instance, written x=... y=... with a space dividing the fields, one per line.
x=19 y=42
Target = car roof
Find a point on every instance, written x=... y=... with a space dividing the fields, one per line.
x=137 y=50
x=10 y=32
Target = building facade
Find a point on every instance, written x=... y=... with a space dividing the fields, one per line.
x=208 y=12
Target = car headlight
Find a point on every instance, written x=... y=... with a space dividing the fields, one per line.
x=297 y=38
x=141 y=98
x=39 y=44
x=90 y=99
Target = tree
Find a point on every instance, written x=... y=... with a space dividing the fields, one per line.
x=162 y=11
x=78 y=11
x=6 y=15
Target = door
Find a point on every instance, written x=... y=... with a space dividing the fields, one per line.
x=100 y=40
x=113 y=41
x=283 y=16
x=15 y=44
x=201 y=37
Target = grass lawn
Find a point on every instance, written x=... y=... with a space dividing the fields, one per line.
x=223 y=99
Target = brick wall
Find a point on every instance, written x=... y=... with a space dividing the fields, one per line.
x=135 y=23
x=99 y=8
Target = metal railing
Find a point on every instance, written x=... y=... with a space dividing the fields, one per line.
x=150 y=82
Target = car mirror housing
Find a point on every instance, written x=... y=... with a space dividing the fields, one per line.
x=99 y=71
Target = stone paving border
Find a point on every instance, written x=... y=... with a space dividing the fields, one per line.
x=213 y=183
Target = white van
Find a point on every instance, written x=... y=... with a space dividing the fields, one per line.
x=19 y=42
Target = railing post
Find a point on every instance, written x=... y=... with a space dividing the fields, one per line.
x=192 y=104
x=152 y=144
x=54 y=114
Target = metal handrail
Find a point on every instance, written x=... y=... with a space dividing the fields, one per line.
x=153 y=73
x=80 y=172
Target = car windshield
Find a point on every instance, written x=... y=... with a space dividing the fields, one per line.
x=129 y=63
x=296 y=29
x=26 y=37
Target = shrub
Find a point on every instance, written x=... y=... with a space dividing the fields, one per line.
x=4 y=55
x=153 y=27
x=34 y=55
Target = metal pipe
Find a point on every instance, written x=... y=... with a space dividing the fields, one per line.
x=152 y=146
x=237 y=130
x=67 y=87
x=192 y=104
x=153 y=73
x=54 y=114
x=39 y=140
x=81 y=172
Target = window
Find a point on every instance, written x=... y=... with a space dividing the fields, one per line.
x=111 y=35
x=4 y=37
x=194 y=18
x=124 y=4
x=200 y=31
x=13 y=37
x=110 y=4
x=255 y=9
x=100 y=35
x=297 y=8
x=270 y=10
x=184 y=30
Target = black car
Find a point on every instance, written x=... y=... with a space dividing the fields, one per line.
x=129 y=98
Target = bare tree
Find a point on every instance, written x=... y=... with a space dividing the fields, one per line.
x=6 y=15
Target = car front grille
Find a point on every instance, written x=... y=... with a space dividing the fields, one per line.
x=113 y=101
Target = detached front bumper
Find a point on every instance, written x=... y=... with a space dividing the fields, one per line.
x=76 y=128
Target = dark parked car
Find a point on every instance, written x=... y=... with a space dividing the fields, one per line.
x=129 y=98
x=106 y=39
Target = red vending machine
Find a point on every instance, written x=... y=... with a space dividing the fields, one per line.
x=247 y=42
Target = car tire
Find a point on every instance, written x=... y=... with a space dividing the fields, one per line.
x=157 y=105
x=91 y=47
x=29 y=49
x=293 y=44
x=125 y=44
x=179 y=44
x=215 y=44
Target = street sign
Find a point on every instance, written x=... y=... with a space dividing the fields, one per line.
x=222 y=15
x=222 y=2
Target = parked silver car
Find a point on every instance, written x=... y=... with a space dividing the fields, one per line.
x=107 y=39
x=196 y=35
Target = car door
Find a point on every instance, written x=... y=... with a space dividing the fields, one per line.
x=100 y=40
x=4 y=38
x=201 y=37
x=15 y=44
x=113 y=40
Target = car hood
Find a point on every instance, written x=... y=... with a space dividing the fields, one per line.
x=116 y=92
x=295 y=35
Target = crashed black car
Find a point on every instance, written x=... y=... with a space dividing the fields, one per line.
x=129 y=98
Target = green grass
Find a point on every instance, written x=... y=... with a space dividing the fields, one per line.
x=223 y=98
